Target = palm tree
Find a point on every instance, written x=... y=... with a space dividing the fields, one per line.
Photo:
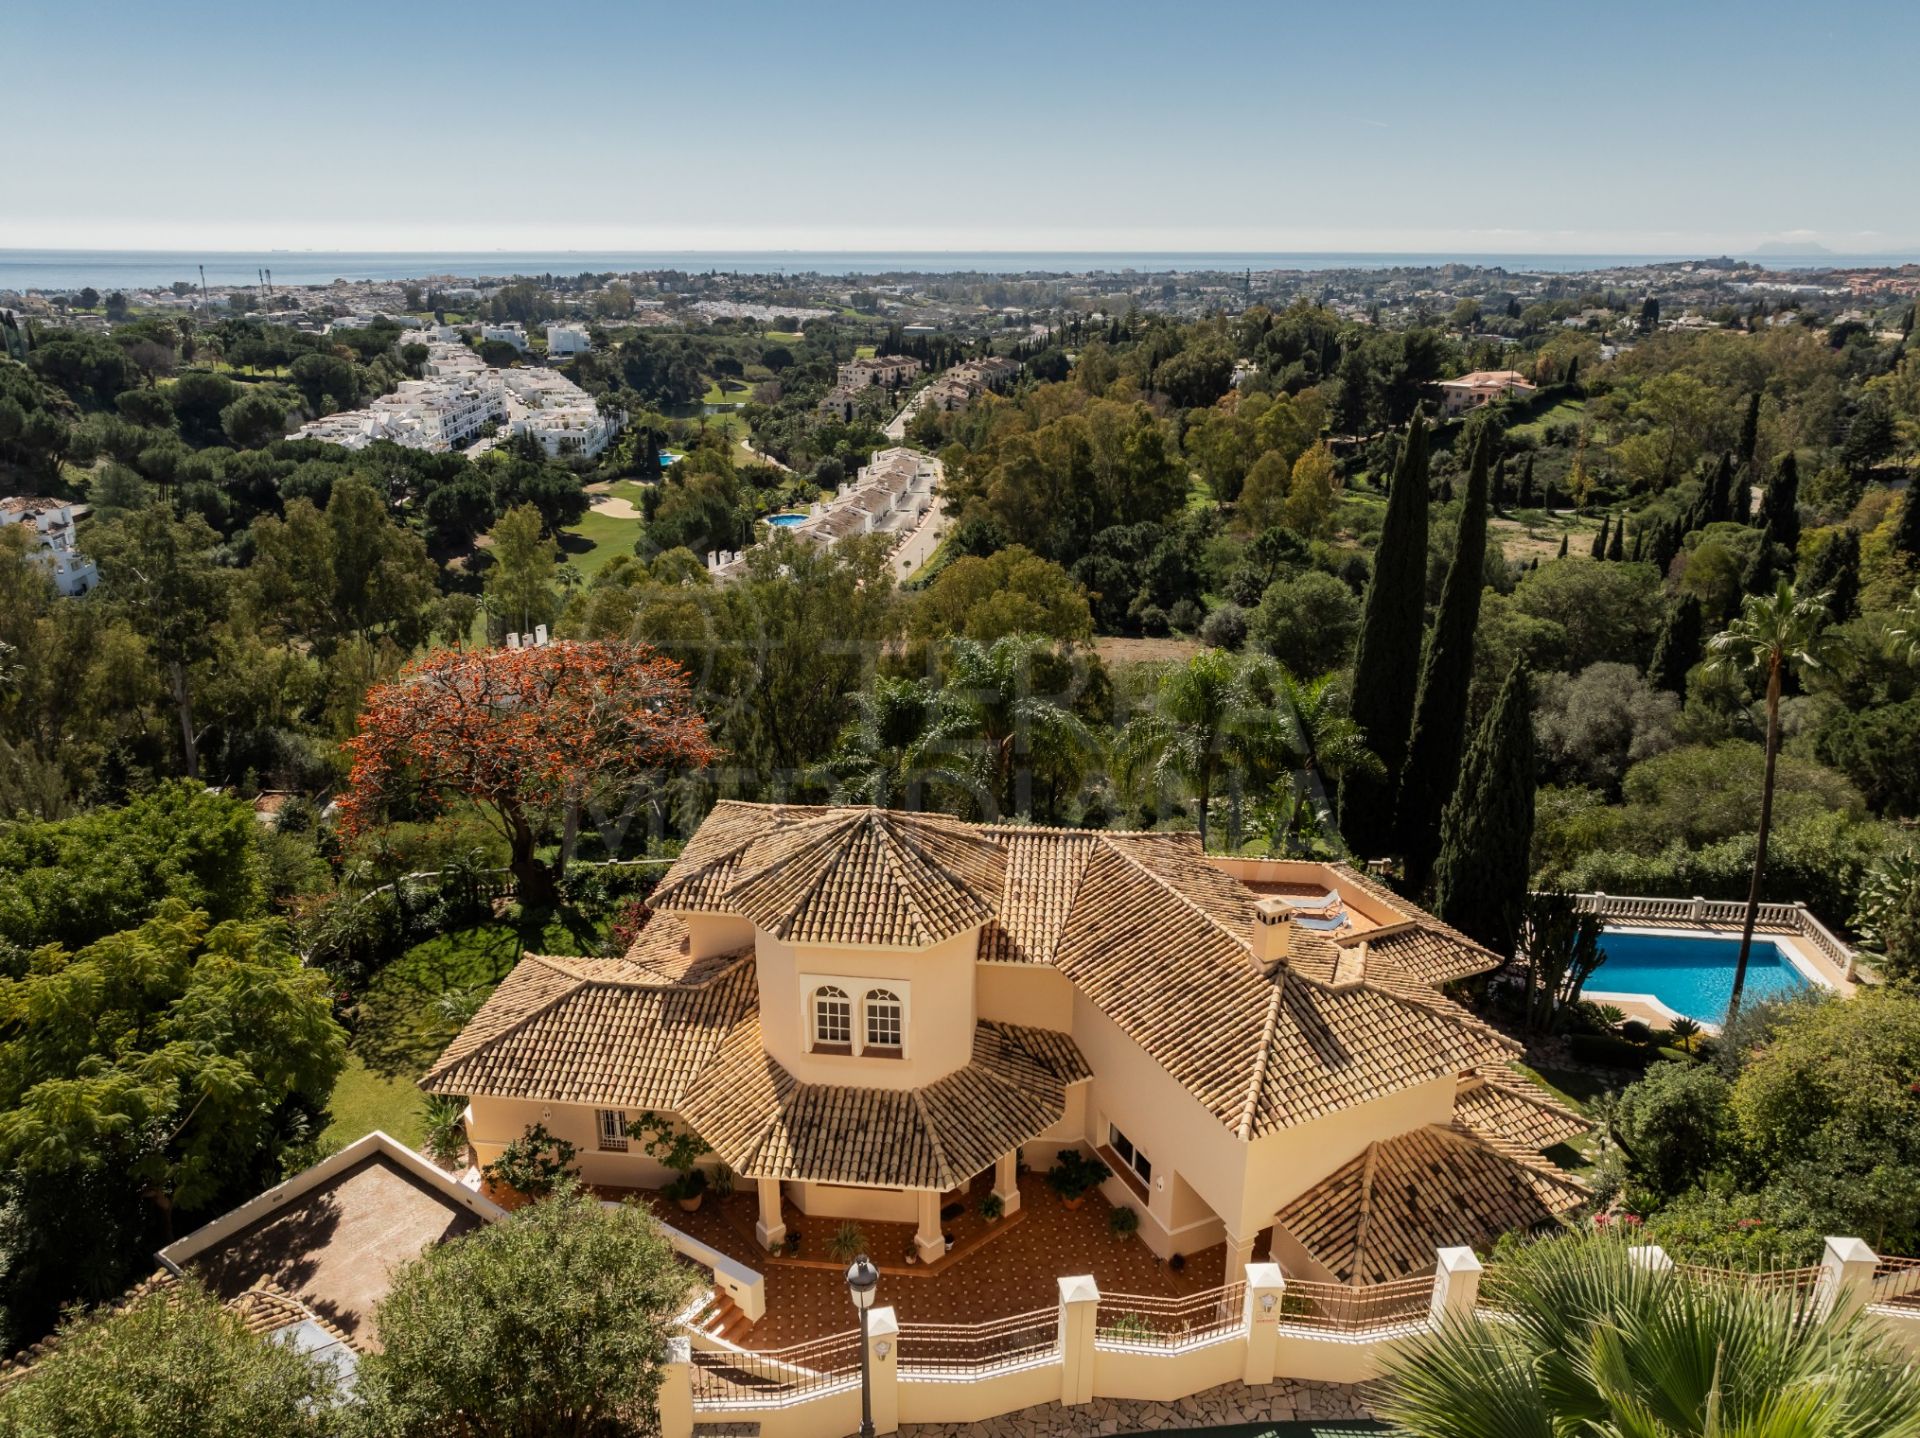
x=1323 y=744
x=874 y=761
x=993 y=734
x=1589 y=1343
x=1776 y=633
x=1906 y=638
x=1212 y=716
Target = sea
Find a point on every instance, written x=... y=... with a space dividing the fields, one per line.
x=60 y=270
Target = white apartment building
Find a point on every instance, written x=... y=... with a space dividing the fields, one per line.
x=73 y=573
x=565 y=340
x=508 y=334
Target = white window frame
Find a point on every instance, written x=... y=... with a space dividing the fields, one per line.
x=856 y=989
x=873 y=1003
x=818 y=997
x=1130 y=1153
x=610 y=1127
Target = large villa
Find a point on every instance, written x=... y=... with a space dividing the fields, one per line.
x=867 y=1013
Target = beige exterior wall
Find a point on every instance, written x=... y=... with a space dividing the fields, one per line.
x=874 y=1205
x=497 y=1122
x=1358 y=901
x=709 y=934
x=1031 y=994
x=937 y=984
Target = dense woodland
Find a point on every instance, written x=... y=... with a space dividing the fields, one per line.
x=1231 y=575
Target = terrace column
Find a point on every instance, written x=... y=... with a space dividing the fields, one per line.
x=1239 y=1255
x=926 y=1236
x=1006 y=1181
x=883 y=1368
x=771 y=1228
x=1079 y=1313
x=1266 y=1293
x=1456 y=1285
x=676 y=1390
x=1846 y=1276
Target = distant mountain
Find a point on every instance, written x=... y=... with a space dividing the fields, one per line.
x=1791 y=247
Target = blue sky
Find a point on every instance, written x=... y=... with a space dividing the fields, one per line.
x=1623 y=126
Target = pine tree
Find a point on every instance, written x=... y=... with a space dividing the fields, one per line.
x=1486 y=836
x=1780 y=506
x=1599 y=550
x=1446 y=671
x=1678 y=648
x=1386 y=658
x=1617 y=546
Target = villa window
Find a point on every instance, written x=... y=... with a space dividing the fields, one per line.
x=1123 y=1148
x=611 y=1124
x=832 y=1020
x=884 y=1023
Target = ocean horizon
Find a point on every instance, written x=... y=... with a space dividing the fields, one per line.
x=59 y=270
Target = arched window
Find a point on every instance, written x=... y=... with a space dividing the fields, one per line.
x=884 y=1028
x=832 y=1018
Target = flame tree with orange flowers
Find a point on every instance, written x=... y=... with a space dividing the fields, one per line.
x=522 y=733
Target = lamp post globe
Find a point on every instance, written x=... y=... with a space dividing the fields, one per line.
x=862 y=1279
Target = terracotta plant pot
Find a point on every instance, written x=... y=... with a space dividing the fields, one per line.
x=1075 y=1201
x=690 y=1205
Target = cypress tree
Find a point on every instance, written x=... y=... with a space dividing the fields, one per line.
x=1678 y=648
x=1758 y=576
x=1906 y=532
x=1750 y=430
x=1718 y=505
x=1780 y=505
x=1446 y=671
x=1480 y=881
x=1386 y=657
x=1498 y=491
x=1617 y=546
x=1526 y=484
x=1664 y=545
x=1573 y=372
x=1834 y=570
x=1563 y=544
x=1599 y=550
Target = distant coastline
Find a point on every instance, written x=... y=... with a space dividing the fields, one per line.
x=54 y=270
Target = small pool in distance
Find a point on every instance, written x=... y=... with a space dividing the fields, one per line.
x=786 y=521
x=1691 y=975
x=667 y=457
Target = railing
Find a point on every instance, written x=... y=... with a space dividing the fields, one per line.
x=1796 y=919
x=745 y=1286
x=735 y=1378
x=1336 y=1308
x=1801 y=1284
x=1137 y=1320
x=963 y=1350
x=1896 y=1285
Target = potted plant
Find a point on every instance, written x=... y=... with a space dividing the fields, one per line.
x=1074 y=1175
x=1124 y=1221
x=991 y=1207
x=676 y=1147
x=847 y=1243
x=793 y=1242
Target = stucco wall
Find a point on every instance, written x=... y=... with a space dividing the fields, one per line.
x=497 y=1122
x=1029 y=994
x=875 y=1205
x=937 y=983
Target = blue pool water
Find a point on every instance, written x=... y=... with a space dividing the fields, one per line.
x=667 y=457
x=1692 y=976
x=786 y=521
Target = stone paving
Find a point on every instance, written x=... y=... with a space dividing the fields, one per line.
x=1280 y=1402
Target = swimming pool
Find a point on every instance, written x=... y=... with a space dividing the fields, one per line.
x=1691 y=974
x=786 y=521
x=667 y=457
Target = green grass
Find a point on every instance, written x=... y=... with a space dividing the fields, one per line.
x=591 y=545
x=864 y=351
x=363 y=1101
x=719 y=394
x=785 y=337
x=1567 y=411
x=1573 y=1088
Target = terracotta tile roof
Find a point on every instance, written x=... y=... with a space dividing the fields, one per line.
x=1512 y=1111
x=660 y=954
x=1044 y=869
x=1381 y=1216
x=1431 y=951
x=765 y=1124
x=559 y=1036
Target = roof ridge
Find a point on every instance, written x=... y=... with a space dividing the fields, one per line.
x=1363 y=1221
x=1263 y=1056
x=1519 y=1157
x=894 y=849
x=933 y=1140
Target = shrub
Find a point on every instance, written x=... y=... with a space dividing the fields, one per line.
x=1074 y=1174
x=849 y=1241
x=992 y=1207
x=1606 y=1051
x=1225 y=628
x=534 y=1164
x=1124 y=1221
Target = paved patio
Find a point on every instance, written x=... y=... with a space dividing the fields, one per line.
x=1014 y=1269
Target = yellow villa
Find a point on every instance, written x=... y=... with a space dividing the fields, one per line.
x=864 y=1010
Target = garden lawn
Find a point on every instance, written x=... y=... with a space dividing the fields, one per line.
x=402 y=1026
x=1567 y=411
x=597 y=538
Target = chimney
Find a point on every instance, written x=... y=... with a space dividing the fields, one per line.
x=1272 y=933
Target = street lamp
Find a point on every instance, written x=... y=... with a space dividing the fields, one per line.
x=862 y=1279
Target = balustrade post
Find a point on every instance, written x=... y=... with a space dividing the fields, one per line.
x=1266 y=1296
x=1456 y=1285
x=883 y=1368
x=1079 y=1318
x=1846 y=1276
x=676 y=1390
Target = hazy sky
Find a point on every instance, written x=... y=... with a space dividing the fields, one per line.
x=1609 y=125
